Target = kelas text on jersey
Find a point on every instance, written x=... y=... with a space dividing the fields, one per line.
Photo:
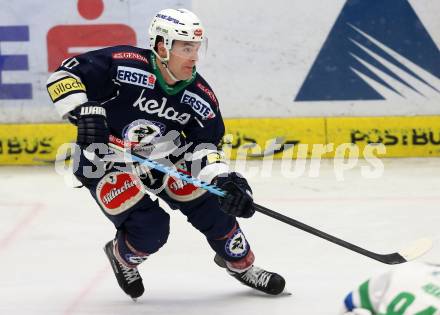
x=153 y=107
x=136 y=76
x=198 y=104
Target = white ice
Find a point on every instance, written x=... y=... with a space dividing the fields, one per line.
x=51 y=239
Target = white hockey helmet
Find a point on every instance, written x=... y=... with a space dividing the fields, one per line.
x=176 y=24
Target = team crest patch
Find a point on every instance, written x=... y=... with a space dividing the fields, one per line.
x=143 y=132
x=117 y=191
x=237 y=246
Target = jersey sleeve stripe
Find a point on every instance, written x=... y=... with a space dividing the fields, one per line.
x=66 y=91
x=365 y=296
x=69 y=103
x=348 y=302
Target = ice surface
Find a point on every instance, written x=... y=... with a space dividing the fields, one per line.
x=51 y=239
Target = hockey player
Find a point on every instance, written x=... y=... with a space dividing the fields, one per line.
x=142 y=96
x=411 y=289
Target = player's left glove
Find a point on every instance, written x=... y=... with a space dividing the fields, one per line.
x=238 y=201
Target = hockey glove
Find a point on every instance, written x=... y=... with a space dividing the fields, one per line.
x=238 y=201
x=92 y=124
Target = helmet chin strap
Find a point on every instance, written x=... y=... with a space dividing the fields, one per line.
x=164 y=62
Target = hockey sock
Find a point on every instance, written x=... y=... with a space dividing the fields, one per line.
x=126 y=253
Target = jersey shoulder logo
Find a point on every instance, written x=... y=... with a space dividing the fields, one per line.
x=130 y=56
x=208 y=92
x=198 y=104
x=376 y=50
x=136 y=76
x=64 y=87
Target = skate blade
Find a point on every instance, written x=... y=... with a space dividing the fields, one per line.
x=285 y=293
x=134 y=299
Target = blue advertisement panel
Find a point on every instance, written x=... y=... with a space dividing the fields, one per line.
x=376 y=50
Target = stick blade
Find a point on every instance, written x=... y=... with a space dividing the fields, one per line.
x=416 y=249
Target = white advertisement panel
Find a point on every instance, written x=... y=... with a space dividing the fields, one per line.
x=324 y=58
x=278 y=59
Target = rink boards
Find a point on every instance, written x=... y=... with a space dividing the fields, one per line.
x=257 y=138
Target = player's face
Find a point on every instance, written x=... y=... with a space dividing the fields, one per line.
x=183 y=58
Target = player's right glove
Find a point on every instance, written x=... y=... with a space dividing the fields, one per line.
x=91 y=120
x=238 y=201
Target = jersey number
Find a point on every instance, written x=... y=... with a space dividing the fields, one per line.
x=70 y=63
x=402 y=301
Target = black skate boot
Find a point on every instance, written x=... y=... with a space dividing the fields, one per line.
x=256 y=278
x=128 y=278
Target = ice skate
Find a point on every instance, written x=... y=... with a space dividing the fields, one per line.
x=128 y=278
x=256 y=278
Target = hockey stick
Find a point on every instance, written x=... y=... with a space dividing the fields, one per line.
x=411 y=252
